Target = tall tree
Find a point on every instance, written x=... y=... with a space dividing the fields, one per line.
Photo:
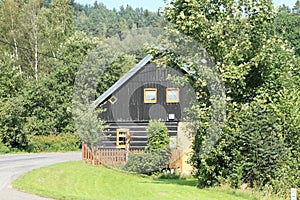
x=10 y=25
x=296 y=8
x=101 y=22
x=232 y=35
x=11 y=104
x=284 y=8
x=56 y=24
x=287 y=25
x=31 y=32
x=253 y=64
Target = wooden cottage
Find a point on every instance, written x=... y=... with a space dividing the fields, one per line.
x=142 y=94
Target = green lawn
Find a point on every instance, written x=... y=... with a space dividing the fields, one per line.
x=78 y=181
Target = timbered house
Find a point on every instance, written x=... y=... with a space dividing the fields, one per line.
x=142 y=94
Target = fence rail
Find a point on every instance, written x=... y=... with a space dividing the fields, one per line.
x=117 y=157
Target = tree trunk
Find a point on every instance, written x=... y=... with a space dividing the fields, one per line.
x=16 y=53
x=36 y=56
x=15 y=47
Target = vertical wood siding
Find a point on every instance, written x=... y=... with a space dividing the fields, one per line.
x=130 y=104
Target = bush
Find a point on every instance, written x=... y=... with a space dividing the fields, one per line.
x=251 y=150
x=158 y=136
x=52 y=143
x=170 y=176
x=3 y=148
x=148 y=163
x=157 y=154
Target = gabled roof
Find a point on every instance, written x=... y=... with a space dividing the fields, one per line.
x=122 y=80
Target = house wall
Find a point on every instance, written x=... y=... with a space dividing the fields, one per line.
x=185 y=140
x=137 y=131
x=130 y=104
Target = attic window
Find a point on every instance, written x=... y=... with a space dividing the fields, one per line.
x=150 y=95
x=121 y=138
x=172 y=95
x=113 y=100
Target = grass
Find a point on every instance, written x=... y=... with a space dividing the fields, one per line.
x=78 y=181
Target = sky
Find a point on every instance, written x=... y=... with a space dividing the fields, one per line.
x=153 y=5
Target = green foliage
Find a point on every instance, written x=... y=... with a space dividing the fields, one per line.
x=231 y=36
x=169 y=176
x=98 y=21
x=12 y=122
x=41 y=55
x=90 y=127
x=10 y=77
x=158 y=138
x=252 y=149
x=32 y=33
x=33 y=103
x=296 y=8
x=3 y=148
x=287 y=25
x=12 y=108
x=149 y=162
x=262 y=146
x=259 y=141
x=157 y=154
x=52 y=143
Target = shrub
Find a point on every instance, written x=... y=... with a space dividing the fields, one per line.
x=158 y=136
x=148 y=163
x=157 y=154
x=251 y=150
x=3 y=148
x=52 y=143
x=170 y=176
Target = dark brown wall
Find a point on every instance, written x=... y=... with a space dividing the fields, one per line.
x=139 y=135
x=130 y=105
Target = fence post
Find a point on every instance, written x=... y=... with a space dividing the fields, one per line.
x=82 y=150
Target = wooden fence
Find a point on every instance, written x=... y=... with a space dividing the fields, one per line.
x=117 y=157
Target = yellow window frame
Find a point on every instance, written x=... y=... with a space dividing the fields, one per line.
x=171 y=100
x=113 y=100
x=119 y=131
x=150 y=90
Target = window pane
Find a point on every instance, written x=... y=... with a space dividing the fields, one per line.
x=172 y=95
x=121 y=138
x=121 y=141
x=150 y=95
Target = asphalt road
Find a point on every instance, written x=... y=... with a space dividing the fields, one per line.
x=12 y=166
